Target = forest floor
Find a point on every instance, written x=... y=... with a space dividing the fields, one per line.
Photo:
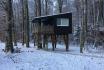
x=33 y=59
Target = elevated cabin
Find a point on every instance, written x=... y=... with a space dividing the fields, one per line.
x=60 y=24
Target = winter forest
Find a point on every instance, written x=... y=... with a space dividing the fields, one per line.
x=51 y=34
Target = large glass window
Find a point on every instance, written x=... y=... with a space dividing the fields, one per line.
x=62 y=22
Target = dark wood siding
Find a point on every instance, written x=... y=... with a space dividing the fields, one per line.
x=52 y=21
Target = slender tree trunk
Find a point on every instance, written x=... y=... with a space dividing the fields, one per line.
x=45 y=36
x=9 y=44
x=83 y=25
x=26 y=18
x=23 y=25
x=14 y=27
x=60 y=5
x=38 y=13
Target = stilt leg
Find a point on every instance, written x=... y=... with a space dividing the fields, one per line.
x=66 y=40
x=53 y=38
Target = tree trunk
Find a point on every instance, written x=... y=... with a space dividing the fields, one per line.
x=9 y=43
x=23 y=25
x=38 y=13
x=83 y=25
x=14 y=27
x=26 y=21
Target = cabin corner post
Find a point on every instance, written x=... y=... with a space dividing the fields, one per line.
x=45 y=41
x=53 y=38
x=66 y=40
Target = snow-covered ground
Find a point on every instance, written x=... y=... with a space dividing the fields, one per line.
x=32 y=59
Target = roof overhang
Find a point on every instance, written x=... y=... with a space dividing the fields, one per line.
x=45 y=18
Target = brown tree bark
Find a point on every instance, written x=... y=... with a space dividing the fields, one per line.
x=9 y=42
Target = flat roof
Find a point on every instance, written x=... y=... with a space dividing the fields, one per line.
x=61 y=15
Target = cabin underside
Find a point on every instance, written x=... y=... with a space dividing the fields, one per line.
x=53 y=27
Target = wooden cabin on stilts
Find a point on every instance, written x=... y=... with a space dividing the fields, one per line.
x=54 y=25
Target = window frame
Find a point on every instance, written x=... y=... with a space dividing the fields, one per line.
x=59 y=22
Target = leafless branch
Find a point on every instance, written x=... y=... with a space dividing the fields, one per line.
x=3 y=4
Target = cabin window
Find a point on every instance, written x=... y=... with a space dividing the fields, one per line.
x=62 y=22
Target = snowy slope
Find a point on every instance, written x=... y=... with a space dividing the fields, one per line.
x=32 y=59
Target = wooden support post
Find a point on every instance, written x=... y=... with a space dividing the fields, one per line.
x=66 y=40
x=53 y=38
x=45 y=41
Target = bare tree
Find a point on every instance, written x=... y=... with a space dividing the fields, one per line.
x=83 y=25
x=7 y=5
x=38 y=25
x=26 y=21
